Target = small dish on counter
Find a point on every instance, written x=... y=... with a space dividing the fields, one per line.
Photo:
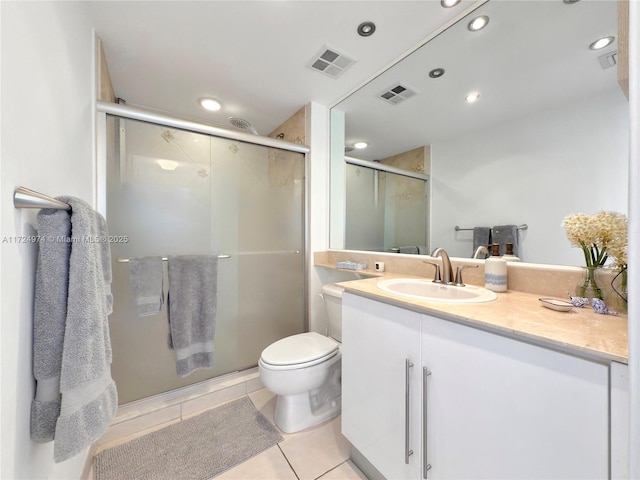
x=555 y=304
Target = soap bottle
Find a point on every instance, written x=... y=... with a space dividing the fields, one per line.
x=495 y=270
x=509 y=256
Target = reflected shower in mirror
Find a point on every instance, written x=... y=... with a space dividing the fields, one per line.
x=386 y=211
x=546 y=137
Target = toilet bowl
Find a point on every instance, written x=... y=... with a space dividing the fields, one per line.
x=304 y=371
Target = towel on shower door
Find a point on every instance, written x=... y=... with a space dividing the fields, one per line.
x=504 y=234
x=146 y=278
x=192 y=301
x=78 y=348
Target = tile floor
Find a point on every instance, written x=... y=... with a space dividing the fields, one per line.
x=320 y=452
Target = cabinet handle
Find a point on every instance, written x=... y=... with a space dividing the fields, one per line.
x=427 y=466
x=407 y=452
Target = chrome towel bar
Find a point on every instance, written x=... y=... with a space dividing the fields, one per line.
x=524 y=226
x=165 y=259
x=26 y=198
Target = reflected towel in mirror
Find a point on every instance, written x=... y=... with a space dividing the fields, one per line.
x=503 y=234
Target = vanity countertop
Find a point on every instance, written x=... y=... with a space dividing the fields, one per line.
x=521 y=316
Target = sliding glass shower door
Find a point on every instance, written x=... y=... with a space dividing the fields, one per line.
x=172 y=192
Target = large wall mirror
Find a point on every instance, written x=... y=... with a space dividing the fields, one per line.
x=547 y=136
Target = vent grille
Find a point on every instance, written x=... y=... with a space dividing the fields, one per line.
x=608 y=60
x=330 y=62
x=397 y=93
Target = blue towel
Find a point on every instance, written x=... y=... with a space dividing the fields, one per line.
x=49 y=317
x=78 y=346
x=146 y=278
x=481 y=236
x=192 y=301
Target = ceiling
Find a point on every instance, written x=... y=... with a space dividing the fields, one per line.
x=532 y=57
x=251 y=55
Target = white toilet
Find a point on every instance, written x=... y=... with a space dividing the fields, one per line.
x=304 y=371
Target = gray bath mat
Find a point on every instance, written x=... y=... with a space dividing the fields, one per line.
x=195 y=449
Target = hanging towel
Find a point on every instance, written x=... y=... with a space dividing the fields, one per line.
x=192 y=302
x=49 y=317
x=146 y=278
x=481 y=236
x=89 y=398
x=504 y=234
x=409 y=249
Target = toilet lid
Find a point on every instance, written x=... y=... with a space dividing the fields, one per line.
x=301 y=348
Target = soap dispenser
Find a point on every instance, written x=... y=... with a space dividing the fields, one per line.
x=495 y=270
x=509 y=256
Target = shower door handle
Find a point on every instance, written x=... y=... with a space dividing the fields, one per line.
x=407 y=451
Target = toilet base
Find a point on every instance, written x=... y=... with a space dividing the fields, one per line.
x=296 y=412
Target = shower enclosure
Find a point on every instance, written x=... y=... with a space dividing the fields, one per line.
x=385 y=211
x=172 y=192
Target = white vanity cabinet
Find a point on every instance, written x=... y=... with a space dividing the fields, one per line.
x=481 y=406
x=377 y=341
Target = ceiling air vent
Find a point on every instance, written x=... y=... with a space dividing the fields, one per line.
x=608 y=60
x=397 y=93
x=330 y=62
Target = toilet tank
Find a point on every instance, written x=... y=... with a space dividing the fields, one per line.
x=332 y=295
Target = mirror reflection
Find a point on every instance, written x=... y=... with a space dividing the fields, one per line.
x=546 y=136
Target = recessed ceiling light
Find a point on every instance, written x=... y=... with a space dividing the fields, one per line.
x=601 y=43
x=478 y=23
x=167 y=164
x=366 y=29
x=360 y=145
x=210 y=104
x=449 y=3
x=472 y=97
x=436 y=72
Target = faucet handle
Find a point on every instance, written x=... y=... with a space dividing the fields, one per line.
x=437 y=278
x=458 y=281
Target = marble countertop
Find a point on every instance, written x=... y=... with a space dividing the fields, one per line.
x=521 y=316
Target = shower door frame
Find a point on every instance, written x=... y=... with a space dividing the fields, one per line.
x=103 y=109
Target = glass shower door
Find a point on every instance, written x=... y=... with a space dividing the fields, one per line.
x=174 y=192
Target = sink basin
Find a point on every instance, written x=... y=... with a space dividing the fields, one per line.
x=421 y=289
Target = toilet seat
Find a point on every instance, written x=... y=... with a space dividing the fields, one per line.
x=299 y=351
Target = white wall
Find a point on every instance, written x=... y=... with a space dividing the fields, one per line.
x=46 y=140
x=533 y=170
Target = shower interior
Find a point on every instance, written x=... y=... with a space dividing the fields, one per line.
x=172 y=192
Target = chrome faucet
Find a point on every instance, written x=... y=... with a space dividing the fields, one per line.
x=481 y=250
x=447 y=271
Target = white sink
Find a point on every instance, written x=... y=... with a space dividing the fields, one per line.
x=421 y=289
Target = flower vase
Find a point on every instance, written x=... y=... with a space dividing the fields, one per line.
x=619 y=286
x=589 y=288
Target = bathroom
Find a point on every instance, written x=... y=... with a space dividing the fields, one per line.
x=48 y=141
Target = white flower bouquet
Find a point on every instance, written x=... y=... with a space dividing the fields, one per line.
x=600 y=236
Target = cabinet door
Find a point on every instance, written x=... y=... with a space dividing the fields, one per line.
x=498 y=408
x=377 y=340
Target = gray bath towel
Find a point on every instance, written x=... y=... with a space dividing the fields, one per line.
x=411 y=249
x=504 y=234
x=192 y=300
x=481 y=236
x=89 y=397
x=49 y=317
x=146 y=278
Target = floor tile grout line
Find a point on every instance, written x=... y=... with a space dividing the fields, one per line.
x=288 y=462
x=331 y=469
